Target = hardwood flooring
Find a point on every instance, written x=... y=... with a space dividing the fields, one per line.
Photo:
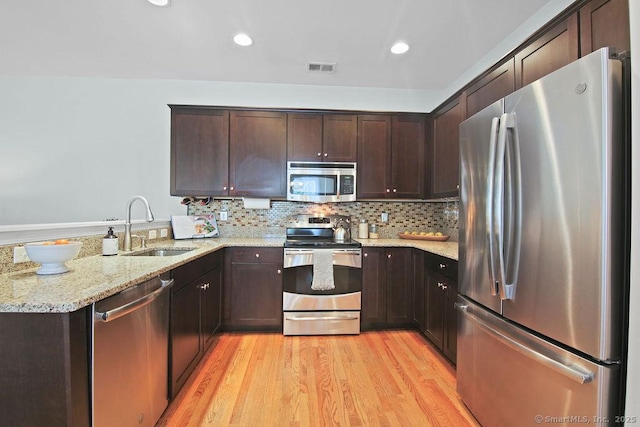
x=386 y=378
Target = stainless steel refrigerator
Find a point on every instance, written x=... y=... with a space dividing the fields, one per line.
x=542 y=232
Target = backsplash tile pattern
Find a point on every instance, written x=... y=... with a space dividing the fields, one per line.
x=403 y=216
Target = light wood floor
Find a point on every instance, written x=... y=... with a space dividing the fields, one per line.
x=387 y=378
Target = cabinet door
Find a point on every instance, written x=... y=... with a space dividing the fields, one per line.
x=199 y=152
x=374 y=154
x=434 y=306
x=418 y=291
x=256 y=288
x=554 y=49
x=257 y=154
x=604 y=23
x=211 y=299
x=444 y=153
x=450 y=337
x=398 y=286
x=374 y=288
x=490 y=88
x=407 y=156
x=304 y=137
x=339 y=138
x=186 y=345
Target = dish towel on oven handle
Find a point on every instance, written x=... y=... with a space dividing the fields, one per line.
x=322 y=270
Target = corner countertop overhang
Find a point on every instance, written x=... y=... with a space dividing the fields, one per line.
x=93 y=278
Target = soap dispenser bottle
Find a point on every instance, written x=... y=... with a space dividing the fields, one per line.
x=110 y=243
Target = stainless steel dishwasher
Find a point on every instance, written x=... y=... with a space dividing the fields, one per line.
x=130 y=349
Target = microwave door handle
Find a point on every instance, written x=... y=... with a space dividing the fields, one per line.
x=495 y=122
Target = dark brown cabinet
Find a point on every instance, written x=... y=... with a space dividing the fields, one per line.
x=321 y=137
x=218 y=152
x=199 y=152
x=444 y=153
x=196 y=299
x=490 y=88
x=257 y=153
x=604 y=23
x=386 y=287
x=440 y=292
x=253 y=288
x=391 y=156
x=417 y=286
x=554 y=49
x=45 y=369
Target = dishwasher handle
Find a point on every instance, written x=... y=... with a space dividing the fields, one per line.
x=123 y=310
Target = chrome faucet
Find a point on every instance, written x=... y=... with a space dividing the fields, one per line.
x=127 y=225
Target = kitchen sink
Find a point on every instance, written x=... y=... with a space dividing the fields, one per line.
x=161 y=252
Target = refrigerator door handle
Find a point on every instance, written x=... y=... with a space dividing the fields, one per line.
x=512 y=232
x=571 y=372
x=491 y=238
x=497 y=231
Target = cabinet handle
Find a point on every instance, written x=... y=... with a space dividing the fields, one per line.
x=257 y=255
x=366 y=254
x=388 y=190
x=204 y=286
x=231 y=188
x=326 y=154
x=389 y=256
x=395 y=191
x=224 y=188
x=443 y=266
x=319 y=154
x=279 y=271
x=440 y=285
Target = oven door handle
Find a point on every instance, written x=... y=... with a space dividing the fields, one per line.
x=306 y=318
x=342 y=257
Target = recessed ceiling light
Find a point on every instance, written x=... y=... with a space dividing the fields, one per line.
x=242 y=40
x=399 y=48
x=159 y=2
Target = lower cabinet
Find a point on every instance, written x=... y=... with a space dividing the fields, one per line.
x=253 y=288
x=386 y=287
x=440 y=292
x=196 y=299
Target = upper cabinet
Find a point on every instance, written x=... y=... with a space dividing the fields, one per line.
x=322 y=137
x=199 y=152
x=604 y=23
x=257 y=153
x=391 y=156
x=490 y=88
x=443 y=152
x=554 y=49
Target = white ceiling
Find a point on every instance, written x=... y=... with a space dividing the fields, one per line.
x=192 y=39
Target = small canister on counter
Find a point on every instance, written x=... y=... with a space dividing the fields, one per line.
x=373 y=231
x=363 y=229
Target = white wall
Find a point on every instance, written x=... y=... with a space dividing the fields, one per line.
x=75 y=150
x=633 y=379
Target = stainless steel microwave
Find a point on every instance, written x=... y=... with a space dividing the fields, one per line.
x=321 y=182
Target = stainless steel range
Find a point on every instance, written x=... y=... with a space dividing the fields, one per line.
x=322 y=277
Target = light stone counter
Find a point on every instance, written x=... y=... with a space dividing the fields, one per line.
x=96 y=277
x=446 y=249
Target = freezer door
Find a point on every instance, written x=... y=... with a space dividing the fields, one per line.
x=477 y=151
x=569 y=282
x=508 y=377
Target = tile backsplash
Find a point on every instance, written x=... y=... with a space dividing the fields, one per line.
x=403 y=216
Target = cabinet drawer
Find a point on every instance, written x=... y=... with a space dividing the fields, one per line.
x=445 y=266
x=257 y=255
x=195 y=269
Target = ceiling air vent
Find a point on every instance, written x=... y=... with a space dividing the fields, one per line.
x=321 y=67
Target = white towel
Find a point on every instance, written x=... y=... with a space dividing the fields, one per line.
x=322 y=270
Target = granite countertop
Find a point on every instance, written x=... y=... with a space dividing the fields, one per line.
x=96 y=277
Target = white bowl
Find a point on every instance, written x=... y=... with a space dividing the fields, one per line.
x=52 y=256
